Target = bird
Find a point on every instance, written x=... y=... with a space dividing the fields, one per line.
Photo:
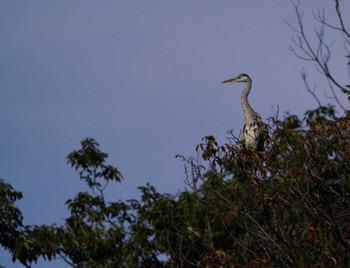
x=254 y=131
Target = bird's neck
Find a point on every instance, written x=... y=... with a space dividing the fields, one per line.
x=247 y=109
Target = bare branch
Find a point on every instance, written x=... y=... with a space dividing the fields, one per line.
x=334 y=95
x=320 y=54
x=312 y=92
x=340 y=17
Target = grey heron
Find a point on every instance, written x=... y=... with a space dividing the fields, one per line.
x=254 y=131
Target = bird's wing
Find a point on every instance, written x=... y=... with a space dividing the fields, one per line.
x=255 y=133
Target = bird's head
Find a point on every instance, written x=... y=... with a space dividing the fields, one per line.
x=239 y=78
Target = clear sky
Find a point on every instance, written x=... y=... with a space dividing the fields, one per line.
x=141 y=77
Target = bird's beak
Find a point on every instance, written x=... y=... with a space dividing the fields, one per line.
x=230 y=80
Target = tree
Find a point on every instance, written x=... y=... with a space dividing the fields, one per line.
x=12 y=230
x=98 y=233
x=287 y=206
x=320 y=54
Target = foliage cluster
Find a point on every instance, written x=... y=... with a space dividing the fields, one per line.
x=286 y=206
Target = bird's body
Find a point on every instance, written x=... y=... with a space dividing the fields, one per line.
x=254 y=130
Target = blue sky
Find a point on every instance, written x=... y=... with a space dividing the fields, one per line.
x=141 y=77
